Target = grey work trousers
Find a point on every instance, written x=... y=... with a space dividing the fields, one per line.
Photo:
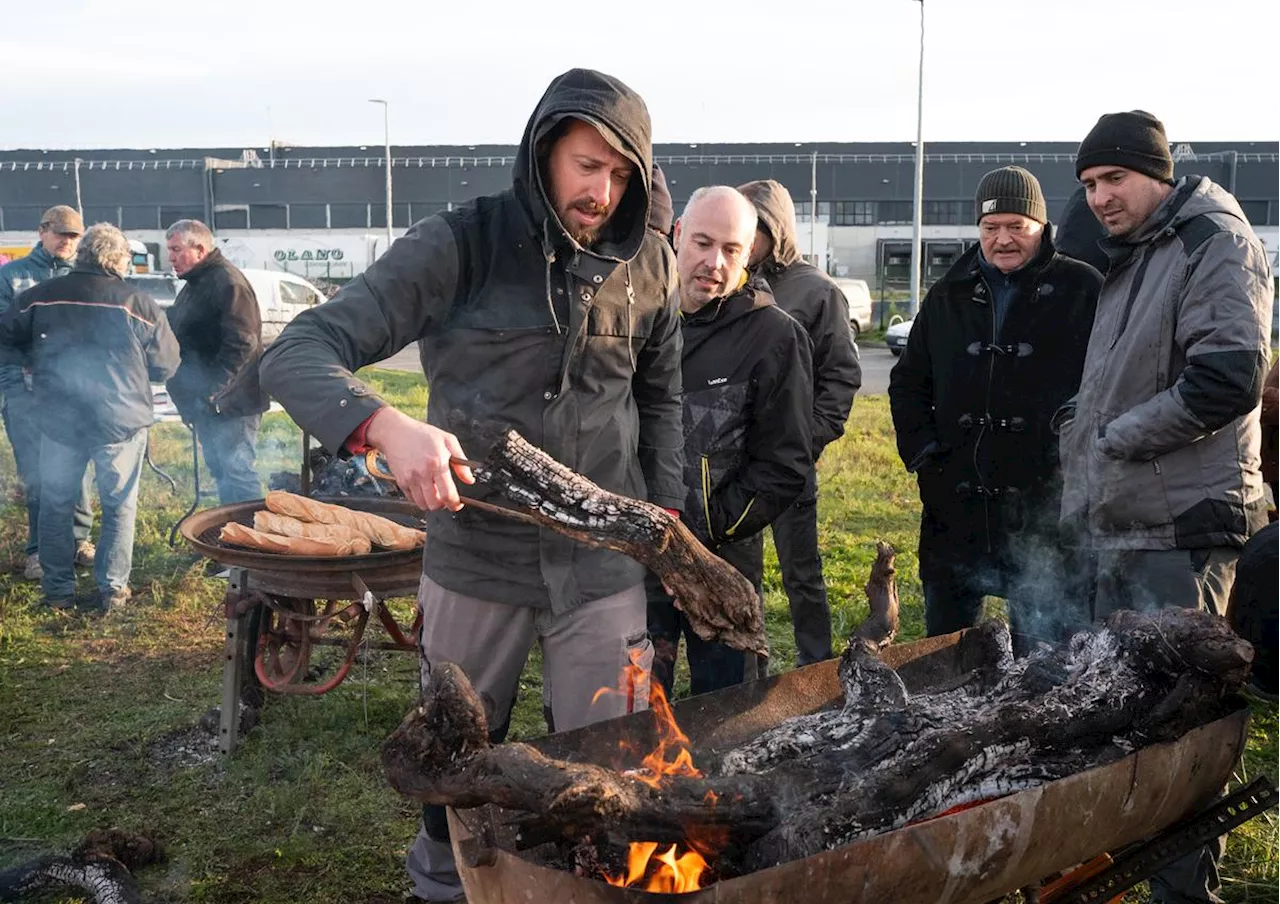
x=583 y=650
x=1149 y=580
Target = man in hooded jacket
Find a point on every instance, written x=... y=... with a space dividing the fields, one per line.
x=816 y=302
x=550 y=308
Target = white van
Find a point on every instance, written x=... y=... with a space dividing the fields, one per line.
x=858 y=295
x=281 y=297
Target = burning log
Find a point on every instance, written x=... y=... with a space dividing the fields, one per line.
x=885 y=758
x=99 y=866
x=719 y=602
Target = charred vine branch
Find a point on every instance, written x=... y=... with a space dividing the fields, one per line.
x=719 y=602
x=100 y=866
x=884 y=759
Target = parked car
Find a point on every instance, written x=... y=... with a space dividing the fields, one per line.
x=163 y=287
x=857 y=293
x=896 y=337
x=281 y=297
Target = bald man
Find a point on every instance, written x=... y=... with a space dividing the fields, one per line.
x=748 y=405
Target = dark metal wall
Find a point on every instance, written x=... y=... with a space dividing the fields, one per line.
x=317 y=188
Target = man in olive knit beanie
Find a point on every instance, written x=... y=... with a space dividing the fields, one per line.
x=996 y=349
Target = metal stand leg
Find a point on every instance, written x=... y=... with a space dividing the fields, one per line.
x=235 y=655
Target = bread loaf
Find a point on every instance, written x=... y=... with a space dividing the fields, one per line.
x=240 y=535
x=271 y=523
x=381 y=531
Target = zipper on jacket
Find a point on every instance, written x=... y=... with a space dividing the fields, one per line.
x=738 y=523
x=986 y=410
x=706 y=494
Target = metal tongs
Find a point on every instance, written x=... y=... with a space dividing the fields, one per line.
x=376 y=463
x=477 y=468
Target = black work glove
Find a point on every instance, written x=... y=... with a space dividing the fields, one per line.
x=926 y=456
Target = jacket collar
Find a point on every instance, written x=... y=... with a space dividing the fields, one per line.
x=42 y=258
x=212 y=260
x=95 y=270
x=1119 y=250
x=754 y=294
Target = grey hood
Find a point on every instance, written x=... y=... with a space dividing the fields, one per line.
x=777 y=214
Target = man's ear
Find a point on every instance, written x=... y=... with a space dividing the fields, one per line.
x=675 y=235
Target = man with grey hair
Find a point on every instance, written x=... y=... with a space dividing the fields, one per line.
x=748 y=406
x=101 y=343
x=59 y=234
x=219 y=327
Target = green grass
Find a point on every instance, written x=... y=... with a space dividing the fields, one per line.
x=98 y=718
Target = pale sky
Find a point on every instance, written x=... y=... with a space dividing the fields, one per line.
x=143 y=73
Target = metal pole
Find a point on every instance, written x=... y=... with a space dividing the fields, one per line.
x=79 y=205
x=918 y=200
x=386 y=132
x=813 y=210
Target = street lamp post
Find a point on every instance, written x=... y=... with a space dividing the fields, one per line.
x=386 y=132
x=79 y=203
x=918 y=200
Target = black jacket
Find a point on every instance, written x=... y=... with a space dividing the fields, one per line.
x=747 y=398
x=812 y=298
x=1078 y=233
x=219 y=327
x=986 y=401
x=95 y=344
x=596 y=384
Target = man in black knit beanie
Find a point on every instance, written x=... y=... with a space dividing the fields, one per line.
x=1160 y=448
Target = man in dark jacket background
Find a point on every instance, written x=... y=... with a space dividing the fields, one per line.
x=550 y=308
x=997 y=347
x=218 y=324
x=748 y=402
x=813 y=299
x=95 y=345
x=59 y=235
x=1077 y=233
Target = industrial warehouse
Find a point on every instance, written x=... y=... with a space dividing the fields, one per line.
x=320 y=212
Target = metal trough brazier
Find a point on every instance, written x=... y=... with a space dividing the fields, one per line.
x=969 y=857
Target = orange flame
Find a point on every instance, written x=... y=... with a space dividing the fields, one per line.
x=666 y=871
x=646 y=869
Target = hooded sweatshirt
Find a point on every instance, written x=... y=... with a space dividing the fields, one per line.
x=812 y=298
x=518 y=326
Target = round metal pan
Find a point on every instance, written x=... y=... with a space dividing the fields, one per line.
x=201 y=531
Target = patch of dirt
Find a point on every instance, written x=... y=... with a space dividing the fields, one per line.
x=195 y=745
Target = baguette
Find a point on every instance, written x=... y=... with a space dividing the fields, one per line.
x=381 y=531
x=240 y=535
x=283 y=525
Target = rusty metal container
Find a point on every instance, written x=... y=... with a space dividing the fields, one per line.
x=971 y=857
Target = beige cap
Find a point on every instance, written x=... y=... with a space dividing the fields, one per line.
x=63 y=219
